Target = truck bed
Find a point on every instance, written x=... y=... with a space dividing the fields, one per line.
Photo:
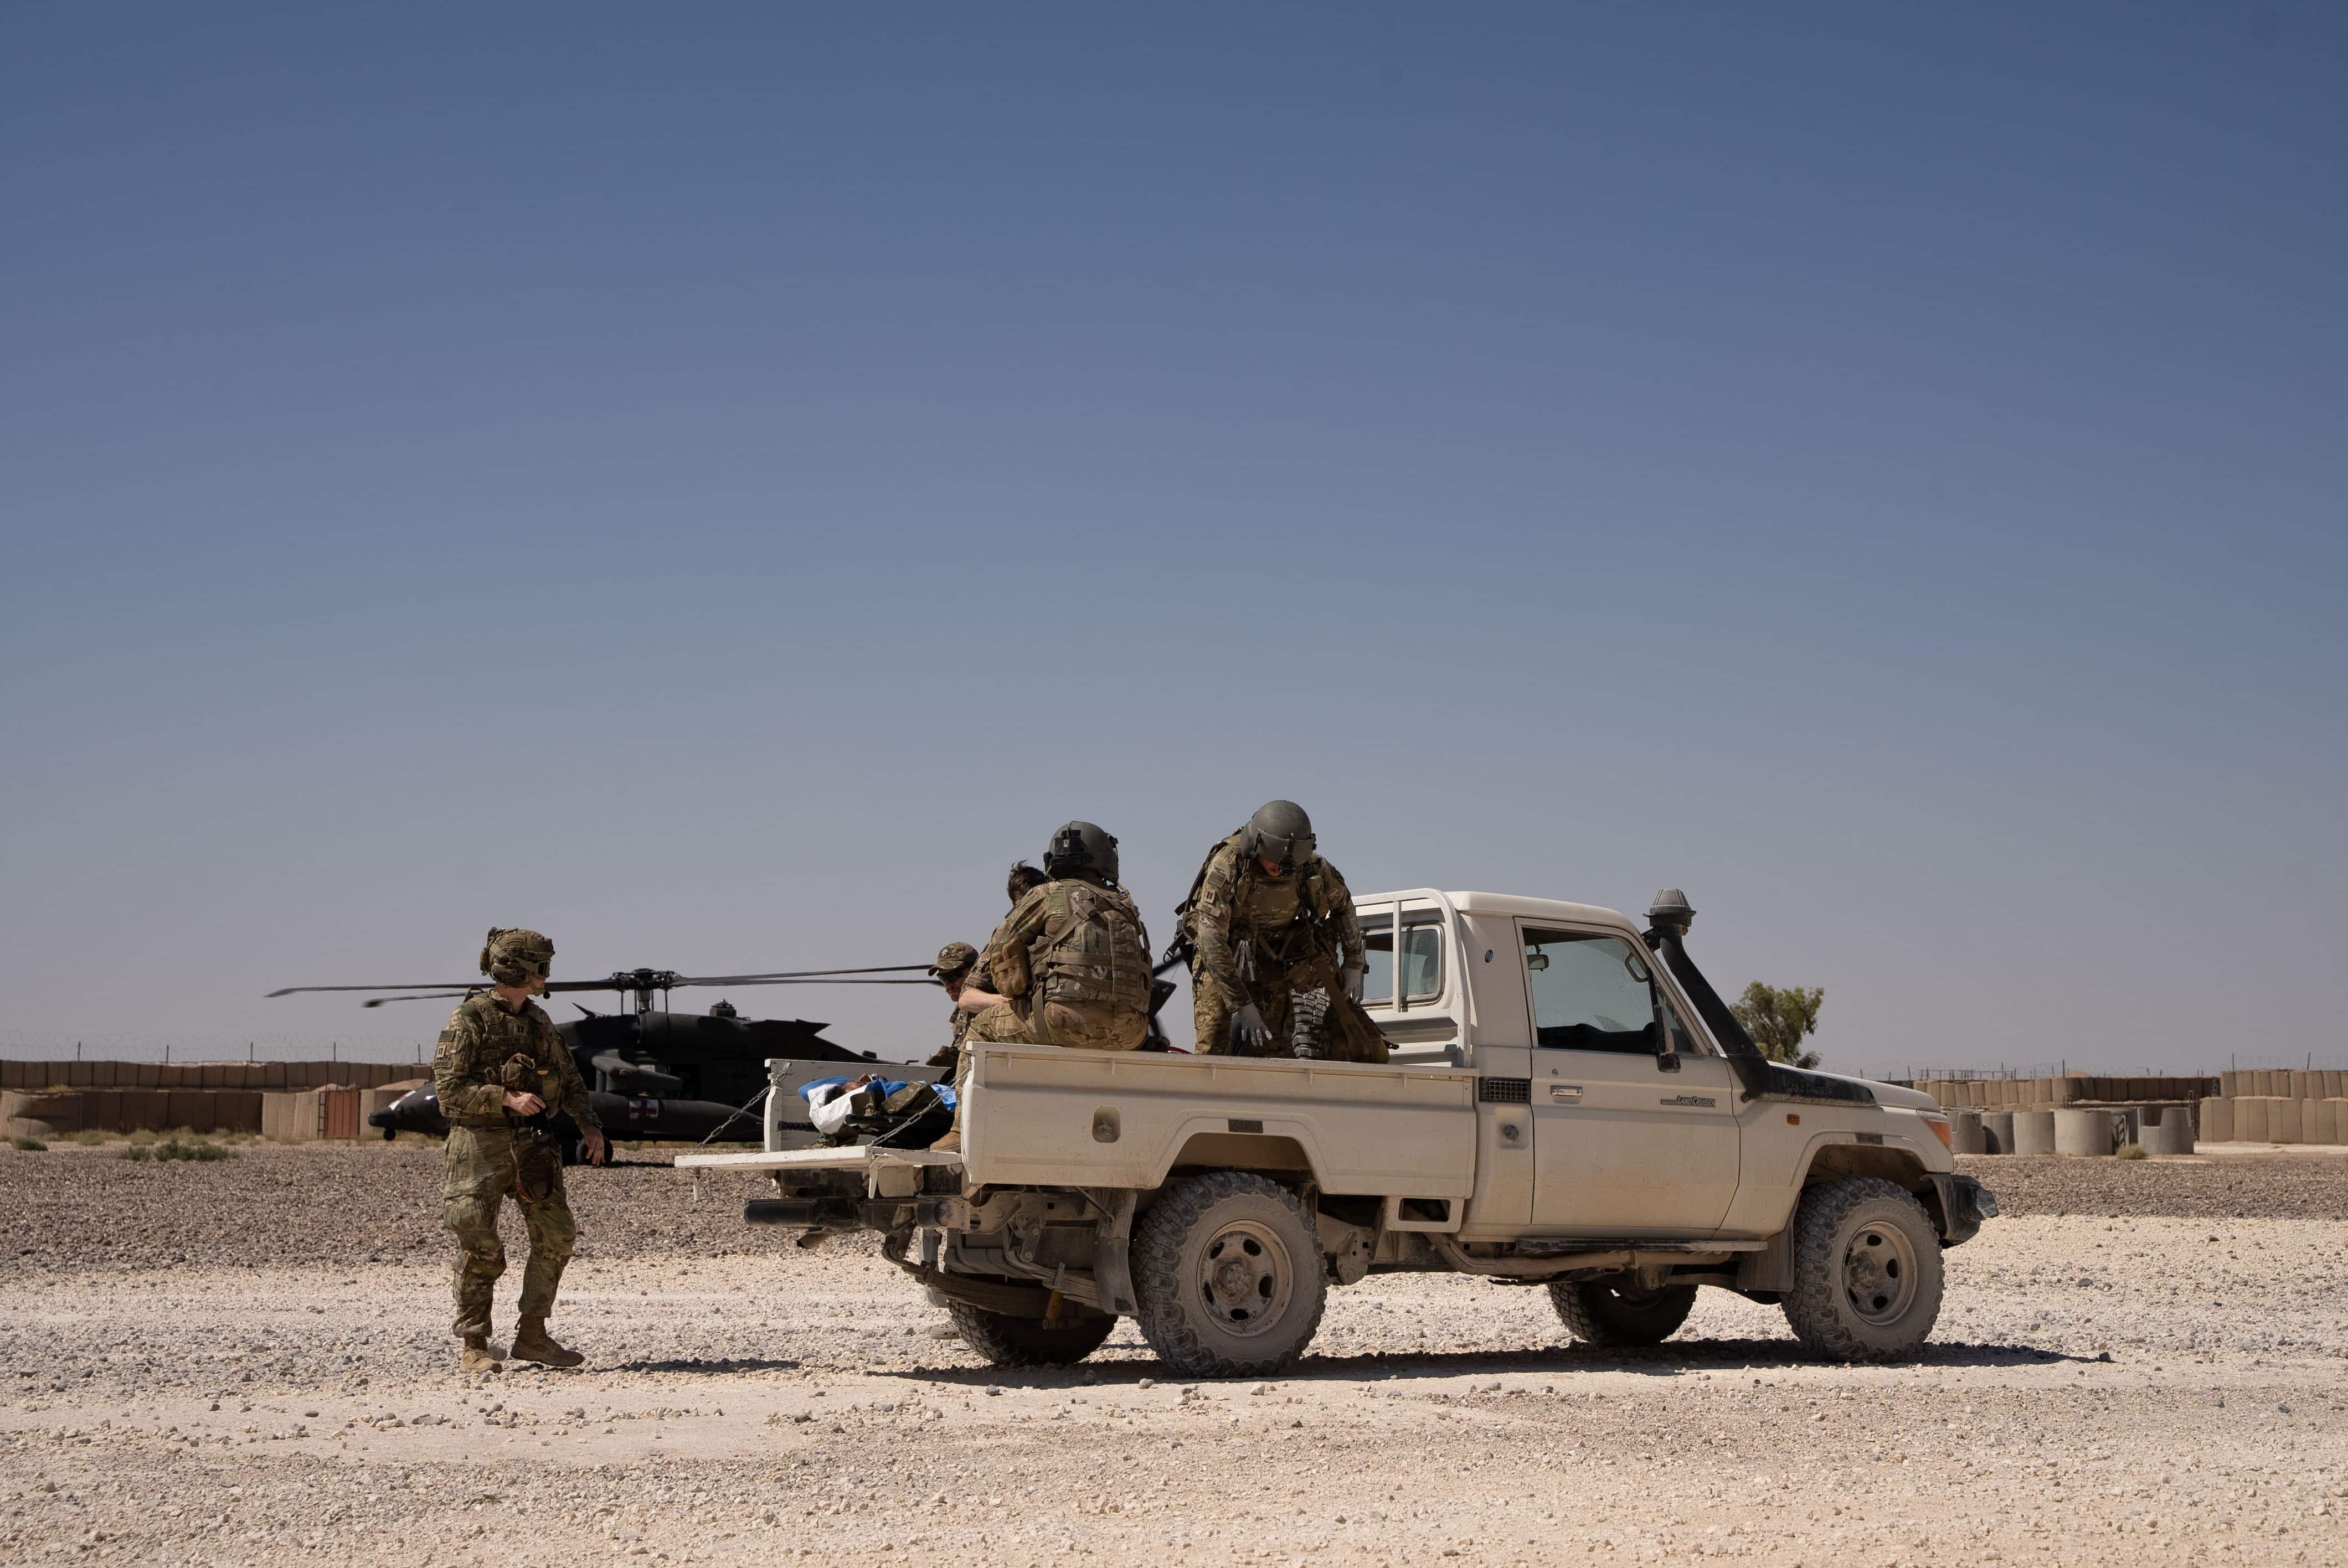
x=1044 y=1117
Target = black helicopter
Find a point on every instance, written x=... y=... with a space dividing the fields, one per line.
x=652 y=1074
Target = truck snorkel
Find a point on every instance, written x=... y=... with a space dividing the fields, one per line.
x=1668 y=920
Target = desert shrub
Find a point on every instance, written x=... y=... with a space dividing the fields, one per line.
x=139 y=1152
x=173 y=1149
x=89 y=1135
x=30 y=1145
x=2130 y=1152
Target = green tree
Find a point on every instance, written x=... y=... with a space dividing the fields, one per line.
x=1779 y=1021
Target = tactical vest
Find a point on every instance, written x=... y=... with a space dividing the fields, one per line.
x=1279 y=913
x=1094 y=955
x=512 y=1050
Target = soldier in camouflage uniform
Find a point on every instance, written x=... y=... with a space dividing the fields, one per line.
x=1266 y=919
x=501 y=1068
x=955 y=960
x=1069 y=966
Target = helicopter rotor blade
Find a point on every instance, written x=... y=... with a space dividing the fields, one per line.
x=434 y=985
x=794 y=975
x=418 y=997
x=640 y=980
x=755 y=981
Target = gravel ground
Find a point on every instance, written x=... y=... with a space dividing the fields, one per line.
x=239 y=1362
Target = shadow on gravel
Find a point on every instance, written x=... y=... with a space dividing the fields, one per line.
x=1666 y=1360
x=711 y=1366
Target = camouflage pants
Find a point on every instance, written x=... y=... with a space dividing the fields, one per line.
x=482 y=1166
x=1001 y=1025
x=1213 y=1003
x=1077 y=1030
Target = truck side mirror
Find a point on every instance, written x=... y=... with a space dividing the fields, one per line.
x=1667 y=1062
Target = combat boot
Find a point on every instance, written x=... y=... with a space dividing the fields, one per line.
x=477 y=1355
x=533 y=1343
x=949 y=1144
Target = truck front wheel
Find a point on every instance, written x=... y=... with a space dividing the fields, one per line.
x=1008 y=1341
x=1597 y=1313
x=1229 y=1278
x=1867 y=1271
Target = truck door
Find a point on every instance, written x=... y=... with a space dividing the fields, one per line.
x=1620 y=1146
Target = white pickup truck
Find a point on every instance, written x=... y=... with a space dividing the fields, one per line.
x=1568 y=1103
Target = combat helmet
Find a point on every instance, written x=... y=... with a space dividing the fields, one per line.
x=512 y=956
x=1281 y=833
x=1081 y=847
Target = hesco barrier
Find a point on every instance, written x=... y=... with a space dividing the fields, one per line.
x=2077 y=1088
x=277 y=1075
x=130 y=1111
x=332 y=1112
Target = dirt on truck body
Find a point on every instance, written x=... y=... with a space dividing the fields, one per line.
x=1568 y=1104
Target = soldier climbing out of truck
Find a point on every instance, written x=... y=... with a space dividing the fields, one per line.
x=1269 y=921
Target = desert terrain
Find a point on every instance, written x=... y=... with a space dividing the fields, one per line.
x=247 y=1362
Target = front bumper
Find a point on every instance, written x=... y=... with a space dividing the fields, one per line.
x=1960 y=1205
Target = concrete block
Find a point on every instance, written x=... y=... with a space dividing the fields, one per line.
x=2218 y=1121
x=2172 y=1134
x=2282 y=1122
x=1965 y=1131
x=1997 y=1132
x=2084 y=1132
x=2034 y=1131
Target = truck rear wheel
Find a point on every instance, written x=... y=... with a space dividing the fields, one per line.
x=1228 y=1274
x=1867 y=1271
x=1008 y=1341
x=1598 y=1313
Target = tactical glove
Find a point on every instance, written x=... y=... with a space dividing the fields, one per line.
x=1249 y=1031
x=1351 y=977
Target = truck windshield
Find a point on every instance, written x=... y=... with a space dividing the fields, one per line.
x=1422 y=959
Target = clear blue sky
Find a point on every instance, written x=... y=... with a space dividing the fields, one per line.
x=718 y=483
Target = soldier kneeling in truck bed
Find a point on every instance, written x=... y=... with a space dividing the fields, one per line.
x=1070 y=964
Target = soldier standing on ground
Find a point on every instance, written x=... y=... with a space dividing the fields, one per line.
x=1267 y=919
x=1069 y=966
x=501 y=1068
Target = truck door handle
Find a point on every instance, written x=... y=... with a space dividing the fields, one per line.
x=1565 y=1092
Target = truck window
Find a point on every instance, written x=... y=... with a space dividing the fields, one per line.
x=1422 y=959
x=1592 y=992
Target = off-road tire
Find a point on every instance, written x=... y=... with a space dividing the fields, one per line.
x=1008 y=1341
x=1867 y=1271
x=1230 y=1277
x=1609 y=1315
x=1308 y=1038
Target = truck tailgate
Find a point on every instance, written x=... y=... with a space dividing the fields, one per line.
x=858 y=1157
x=1046 y=1117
